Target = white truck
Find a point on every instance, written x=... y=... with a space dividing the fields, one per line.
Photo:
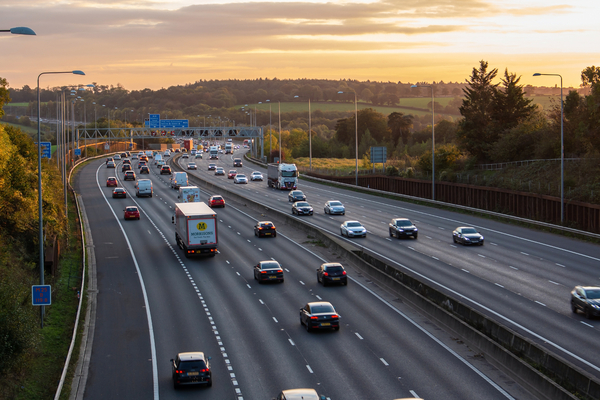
x=189 y=194
x=228 y=148
x=282 y=176
x=213 y=153
x=196 y=229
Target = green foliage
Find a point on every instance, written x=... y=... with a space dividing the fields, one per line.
x=392 y=171
x=366 y=164
x=4 y=95
x=446 y=157
x=400 y=126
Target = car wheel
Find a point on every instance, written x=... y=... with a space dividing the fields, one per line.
x=415 y=236
x=573 y=308
x=307 y=325
x=282 y=280
x=274 y=234
x=175 y=385
x=391 y=233
x=481 y=244
x=341 y=233
x=209 y=383
x=325 y=210
x=454 y=239
x=337 y=328
x=587 y=313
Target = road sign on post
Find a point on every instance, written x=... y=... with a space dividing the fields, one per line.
x=41 y=295
x=46 y=149
x=77 y=152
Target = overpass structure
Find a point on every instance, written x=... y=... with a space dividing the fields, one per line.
x=212 y=132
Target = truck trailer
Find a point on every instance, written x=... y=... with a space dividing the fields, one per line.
x=189 y=194
x=188 y=144
x=282 y=176
x=213 y=153
x=196 y=229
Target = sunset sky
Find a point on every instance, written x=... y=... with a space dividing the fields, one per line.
x=153 y=44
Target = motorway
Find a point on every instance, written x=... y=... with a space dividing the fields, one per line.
x=521 y=277
x=153 y=303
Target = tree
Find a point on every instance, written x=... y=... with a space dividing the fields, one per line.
x=400 y=126
x=4 y=95
x=476 y=131
x=590 y=76
x=512 y=108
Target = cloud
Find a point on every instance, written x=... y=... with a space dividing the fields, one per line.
x=527 y=11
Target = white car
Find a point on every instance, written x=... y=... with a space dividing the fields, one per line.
x=198 y=155
x=334 y=207
x=240 y=178
x=256 y=176
x=117 y=157
x=160 y=163
x=192 y=165
x=352 y=229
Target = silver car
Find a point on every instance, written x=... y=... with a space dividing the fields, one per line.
x=334 y=207
x=352 y=229
x=256 y=176
x=240 y=178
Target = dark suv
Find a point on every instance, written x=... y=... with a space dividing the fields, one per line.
x=332 y=273
x=402 y=227
x=266 y=271
x=191 y=369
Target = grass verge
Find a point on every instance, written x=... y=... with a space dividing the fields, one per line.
x=46 y=364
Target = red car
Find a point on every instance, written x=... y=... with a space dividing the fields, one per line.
x=232 y=173
x=132 y=212
x=216 y=201
x=111 y=181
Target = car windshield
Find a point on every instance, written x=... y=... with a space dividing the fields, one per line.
x=217 y=198
x=131 y=209
x=297 y=194
x=354 y=224
x=241 y=176
x=270 y=265
x=256 y=173
x=266 y=225
x=469 y=230
x=322 y=308
x=336 y=268
x=403 y=223
x=288 y=174
x=335 y=204
x=593 y=294
x=192 y=365
x=302 y=204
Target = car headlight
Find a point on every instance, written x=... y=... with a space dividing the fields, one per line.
x=596 y=306
x=466 y=238
x=401 y=230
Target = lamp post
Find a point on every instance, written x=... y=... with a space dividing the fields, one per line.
x=562 y=149
x=40 y=214
x=279 y=103
x=355 y=132
x=432 y=139
x=309 y=137
x=270 y=133
x=20 y=30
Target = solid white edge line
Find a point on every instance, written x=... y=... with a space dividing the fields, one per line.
x=143 y=287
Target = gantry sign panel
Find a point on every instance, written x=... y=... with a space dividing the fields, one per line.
x=149 y=133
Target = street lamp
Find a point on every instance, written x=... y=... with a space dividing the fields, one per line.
x=355 y=132
x=20 y=30
x=279 y=103
x=40 y=215
x=309 y=137
x=432 y=139
x=270 y=133
x=562 y=150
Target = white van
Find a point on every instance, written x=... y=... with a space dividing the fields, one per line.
x=299 y=394
x=149 y=153
x=158 y=157
x=143 y=187
x=179 y=179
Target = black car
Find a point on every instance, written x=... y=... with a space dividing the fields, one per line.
x=296 y=195
x=119 y=192
x=467 y=235
x=165 y=169
x=191 y=368
x=144 y=170
x=237 y=162
x=332 y=273
x=319 y=315
x=126 y=167
x=267 y=271
x=586 y=299
x=402 y=227
x=212 y=167
x=265 y=228
x=302 y=208
x=129 y=175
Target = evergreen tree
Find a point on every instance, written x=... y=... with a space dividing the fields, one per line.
x=477 y=131
x=511 y=106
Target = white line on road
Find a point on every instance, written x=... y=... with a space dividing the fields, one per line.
x=541 y=304
x=275 y=319
x=465 y=270
x=309 y=369
x=384 y=362
x=555 y=283
x=497 y=284
x=360 y=337
x=585 y=323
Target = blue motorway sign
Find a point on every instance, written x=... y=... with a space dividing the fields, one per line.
x=154 y=121
x=46 y=149
x=77 y=152
x=378 y=155
x=41 y=295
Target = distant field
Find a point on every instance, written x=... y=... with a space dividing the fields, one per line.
x=300 y=106
x=26 y=129
x=547 y=102
x=17 y=104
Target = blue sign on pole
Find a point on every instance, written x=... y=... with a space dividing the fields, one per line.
x=77 y=152
x=154 y=121
x=41 y=295
x=46 y=149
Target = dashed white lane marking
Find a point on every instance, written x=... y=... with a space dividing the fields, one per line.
x=291 y=342
x=384 y=362
x=525 y=254
x=585 y=323
x=360 y=337
x=275 y=319
x=481 y=255
x=227 y=261
x=560 y=265
x=493 y=244
x=541 y=304
x=249 y=287
x=261 y=302
x=465 y=270
x=497 y=284
x=302 y=283
x=435 y=258
x=318 y=297
x=309 y=369
x=414 y=394
x=555 y=283
x=513 y=267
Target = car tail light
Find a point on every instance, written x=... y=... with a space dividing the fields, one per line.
x=263 y=272
x=315 y=318
x=344 y=273
x=178 y=371
x=280 y=270
x=204 y=370
x=326 y=273
x=335 y=316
